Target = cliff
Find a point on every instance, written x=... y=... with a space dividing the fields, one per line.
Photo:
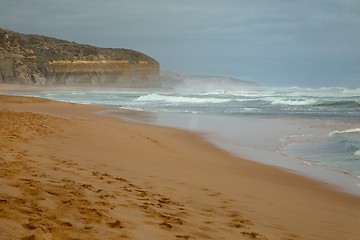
x=40 y=60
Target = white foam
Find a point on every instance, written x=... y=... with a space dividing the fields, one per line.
x=354 y=130
x=357 y=153
x=300 y=102
x=179 y=99
x=307 y=163
x=291 y=92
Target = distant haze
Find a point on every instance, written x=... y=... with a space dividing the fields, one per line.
x=310 y=43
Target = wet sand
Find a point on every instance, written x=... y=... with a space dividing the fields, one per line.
x=261 y=139
x=67 y=173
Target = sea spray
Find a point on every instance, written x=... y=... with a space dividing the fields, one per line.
x=179 y=99
x=320 y=103
x=357 y=153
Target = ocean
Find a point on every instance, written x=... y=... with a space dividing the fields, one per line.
x=315 y=132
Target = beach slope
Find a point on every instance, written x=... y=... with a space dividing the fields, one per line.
x=68 y=173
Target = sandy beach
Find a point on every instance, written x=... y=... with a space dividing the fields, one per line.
x=69 y=173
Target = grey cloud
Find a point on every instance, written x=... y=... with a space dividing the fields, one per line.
x=272 y=42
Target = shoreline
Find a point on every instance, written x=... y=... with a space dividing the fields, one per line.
x=218 y=130
x=154 y=181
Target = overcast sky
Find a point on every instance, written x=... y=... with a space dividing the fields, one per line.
x=273 y=42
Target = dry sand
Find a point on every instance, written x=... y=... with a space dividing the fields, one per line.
x=67 y=173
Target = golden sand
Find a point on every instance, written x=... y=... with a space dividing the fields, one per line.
x=67 y=173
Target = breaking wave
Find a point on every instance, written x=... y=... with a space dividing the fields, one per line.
x=179 y=99
x=315 y=102
x=354 y=130
x=350 y=139
x=293 y=102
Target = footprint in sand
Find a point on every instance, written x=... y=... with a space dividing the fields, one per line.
x=165 y=226
x=238 y=222
x=184 y=237
x=30 y=237
x=115 y=224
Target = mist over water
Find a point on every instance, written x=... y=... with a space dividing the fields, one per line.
x=305 y=102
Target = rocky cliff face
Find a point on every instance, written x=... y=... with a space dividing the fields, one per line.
x=39 y=60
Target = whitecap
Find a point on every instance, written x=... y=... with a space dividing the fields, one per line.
x=354 y=130
x=357 y=153
x=179 y=99
x=290 y=102
x=307 y=163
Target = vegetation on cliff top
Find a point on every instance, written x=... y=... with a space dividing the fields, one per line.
x=26 y=58
x=48 y=48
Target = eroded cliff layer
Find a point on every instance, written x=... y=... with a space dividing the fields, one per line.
x=39 y=60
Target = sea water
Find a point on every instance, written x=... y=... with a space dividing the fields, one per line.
x=296 y=128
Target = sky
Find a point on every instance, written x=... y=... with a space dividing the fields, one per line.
x=307 y=43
